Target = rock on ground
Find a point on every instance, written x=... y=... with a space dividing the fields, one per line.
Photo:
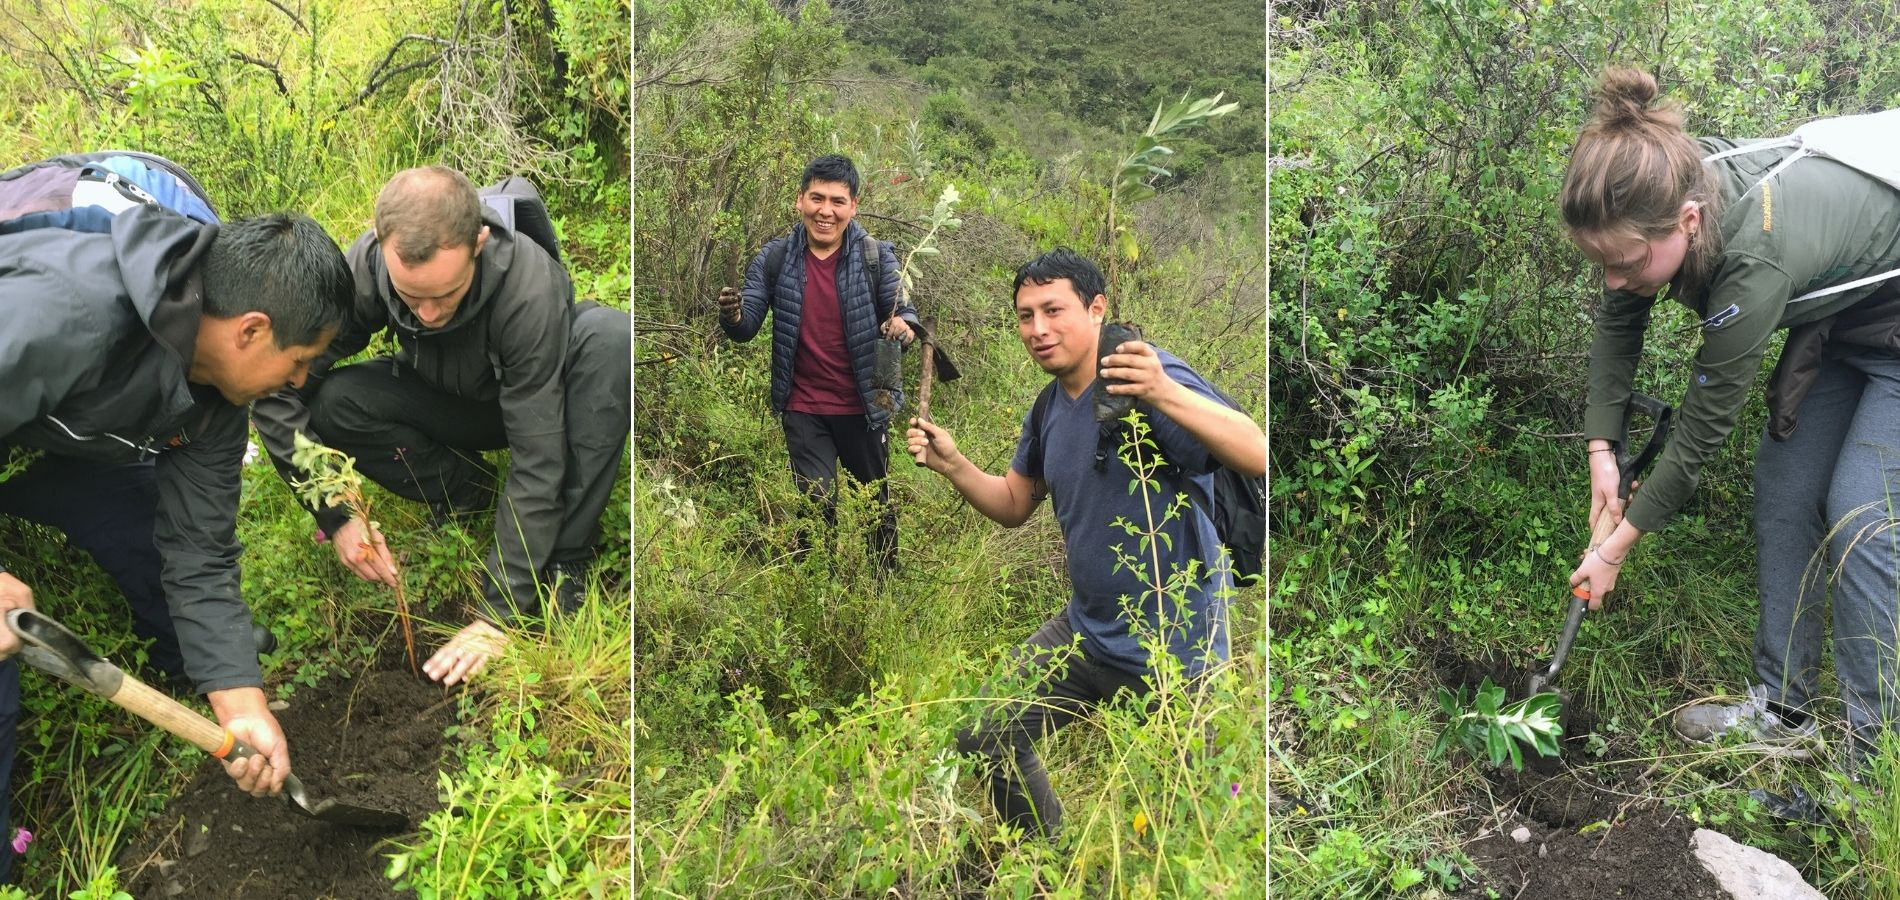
x=1748 y=873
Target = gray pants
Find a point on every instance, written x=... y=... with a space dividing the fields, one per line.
x=1006 y=734
x=1834 y=486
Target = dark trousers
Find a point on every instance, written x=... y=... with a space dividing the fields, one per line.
x=425 y=444
x=107 y=511
x=1006 y=734
x=818 y=444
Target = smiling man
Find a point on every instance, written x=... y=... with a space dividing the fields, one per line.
x=1111 y=609
x=830 y=288
x=495 y=353
x=133 y=337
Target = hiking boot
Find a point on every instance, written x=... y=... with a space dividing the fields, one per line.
x=1751 y=721
x=569 y=584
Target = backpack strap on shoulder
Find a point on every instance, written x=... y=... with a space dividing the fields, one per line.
x=871 y=260
x=1036 y=412
x=774 y=263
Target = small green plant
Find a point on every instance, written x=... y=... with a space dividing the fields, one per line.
x=1485 y=725
x=18 y=460
x=103 y=886
x=332 y=479
x=940 y=218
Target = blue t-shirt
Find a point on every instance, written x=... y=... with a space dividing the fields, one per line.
x=1087 y=505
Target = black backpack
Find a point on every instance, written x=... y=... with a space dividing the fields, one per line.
x=519 y=206
x=1239 y=505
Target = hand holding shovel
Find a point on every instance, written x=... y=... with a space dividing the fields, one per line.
x=933 y=358
x=1629 y=467
x=49 y=647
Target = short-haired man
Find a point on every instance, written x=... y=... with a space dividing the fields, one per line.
x=494 y=354
x=830 y=301
x=1059 y=310
x=128 y=358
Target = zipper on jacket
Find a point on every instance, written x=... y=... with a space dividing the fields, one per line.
x=145 y=450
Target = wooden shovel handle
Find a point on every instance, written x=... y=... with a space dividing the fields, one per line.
x=924 y=381
x=153 y=706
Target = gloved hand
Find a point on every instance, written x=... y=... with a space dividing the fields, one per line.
x=729 y=304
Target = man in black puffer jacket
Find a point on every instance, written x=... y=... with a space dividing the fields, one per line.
x=494 y=354
x=827 y=317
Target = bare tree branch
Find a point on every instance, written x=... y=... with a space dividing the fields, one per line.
x=382 y=74
x=276 y=74
x=294 y=20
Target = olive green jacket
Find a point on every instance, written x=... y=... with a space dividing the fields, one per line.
x=1818 y=223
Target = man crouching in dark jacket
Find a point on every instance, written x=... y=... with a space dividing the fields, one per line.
x=494 y=354
x=126 y=360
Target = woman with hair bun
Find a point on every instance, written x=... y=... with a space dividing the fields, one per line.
x=1752 y=254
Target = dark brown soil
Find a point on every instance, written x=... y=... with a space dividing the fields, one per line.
x=1586 y=840
x=1592 y=831
x=374 y=740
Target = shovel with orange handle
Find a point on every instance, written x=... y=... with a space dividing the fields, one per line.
x=1629 y=466
x=47 y=645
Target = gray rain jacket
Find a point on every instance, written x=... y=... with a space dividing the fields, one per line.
x=98 y=335
x=507 y=342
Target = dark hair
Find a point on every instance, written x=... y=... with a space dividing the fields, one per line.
x=283 y=265
x=425 y=209
x=1058 y=264
x=831 y=167
x=1632 y=169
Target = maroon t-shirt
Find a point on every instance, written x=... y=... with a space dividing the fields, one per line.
x=822 y=382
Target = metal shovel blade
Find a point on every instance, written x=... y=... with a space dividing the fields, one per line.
x=51 y=648
x=329 y=810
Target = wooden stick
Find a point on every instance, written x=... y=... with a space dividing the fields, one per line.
x=923 y=383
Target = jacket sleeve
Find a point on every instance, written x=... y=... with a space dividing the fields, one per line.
x=195 y=532
x=282 y=415
x=530 y=333
x=1621 y=320
x=1725 y=370
x=755 y=298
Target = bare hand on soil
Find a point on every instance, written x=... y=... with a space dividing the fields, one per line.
x=466 y=653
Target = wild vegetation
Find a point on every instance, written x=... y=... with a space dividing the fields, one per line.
x=796 y=713
x=310 y=106
x=1427 y=335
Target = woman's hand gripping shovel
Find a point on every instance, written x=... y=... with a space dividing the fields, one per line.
x=1629 y=467
x=47 y=645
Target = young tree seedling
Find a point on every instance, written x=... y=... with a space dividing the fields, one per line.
x=332 y=480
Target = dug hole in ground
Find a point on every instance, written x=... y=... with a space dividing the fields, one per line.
x=1588 y=826
x=374 y=738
